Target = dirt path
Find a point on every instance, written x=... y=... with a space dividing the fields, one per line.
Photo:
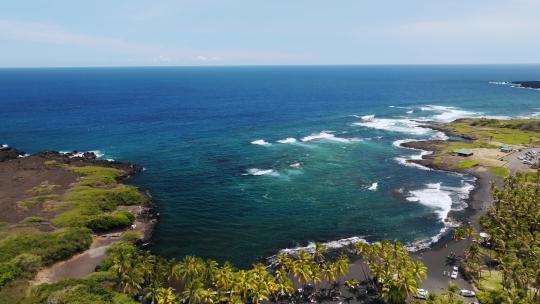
x=77 y=266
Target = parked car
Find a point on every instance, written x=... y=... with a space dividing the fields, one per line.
x=467 y=293
x=421 y=294
x=455 y=268
x=454 y=275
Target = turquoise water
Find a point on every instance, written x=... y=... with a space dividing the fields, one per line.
x=226 y=188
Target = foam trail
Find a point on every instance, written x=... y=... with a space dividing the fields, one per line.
x=261 y=142
x=327 y=135
x=259 y=172
x=395 y=125
x=373 y=187
x=288 y=140
x=447 y=114
x=295 y=165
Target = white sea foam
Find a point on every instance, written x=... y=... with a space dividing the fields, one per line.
x=327 y=135
x=328 y=245
x=288 y=140
x=4 y=146
x=98 y=153
x=410 y=112
x=368 y=117
x=373 y=187
x=441 y=198
x=396 y=125
x=261 y=142
x=295 y=165
x=259 y=172
x=434 y=197
x=447 y=114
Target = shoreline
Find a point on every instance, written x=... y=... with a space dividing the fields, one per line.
x=86 y=261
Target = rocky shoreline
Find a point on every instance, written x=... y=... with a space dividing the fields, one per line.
x=145 y=213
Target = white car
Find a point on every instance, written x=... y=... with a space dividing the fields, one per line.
x=467 y=293
x=454 y=275
x=455 y=268
x=421 y=294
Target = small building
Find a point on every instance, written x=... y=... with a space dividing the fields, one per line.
x=506 y=148
x=463 y=152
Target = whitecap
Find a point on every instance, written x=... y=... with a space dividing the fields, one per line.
x=259 y=172
x=288 y=140
x=410 y=112
x=327 y=135
x=373 y=187
x=295 y=165
x=368 y=117
x=447 y=113
x=396 y=125
x=261 y=142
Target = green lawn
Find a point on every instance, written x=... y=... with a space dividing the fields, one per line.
x=499 y=171
x=491 y=281
x=512 y=132
x=467 y=164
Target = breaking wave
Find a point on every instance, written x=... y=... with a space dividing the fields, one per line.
x=288 y=140
x=73 y=154
x=259 y=172
x=328 y=135
x=261 y=142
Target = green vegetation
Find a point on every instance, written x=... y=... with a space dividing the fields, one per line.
x=499 y=171
x=467 y=164
x=104 y=222
x=96 y=176
x=80 y=291
x=130 y=271
x=43 y=188
x=94 y=197
x=512 y=132
x=395 y=274
x=36 y=200
x=89 y=205
x=512 y=224
x=33 y=219
x=21 y=254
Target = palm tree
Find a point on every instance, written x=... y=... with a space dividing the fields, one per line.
x=151 y=292
x=342 y=266
x=318 y=253
x=166 y=296
x=188 y=269
x=283 y=285
x=329 y=271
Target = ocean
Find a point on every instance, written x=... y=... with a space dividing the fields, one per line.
x=245 y=161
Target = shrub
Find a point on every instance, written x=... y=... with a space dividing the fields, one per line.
x=104 y=222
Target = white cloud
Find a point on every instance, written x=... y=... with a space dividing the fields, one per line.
x=45 y=33
x=208 y=58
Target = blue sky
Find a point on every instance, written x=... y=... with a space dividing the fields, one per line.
x=257 y=32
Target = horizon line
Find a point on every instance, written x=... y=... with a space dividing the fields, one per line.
x=265 y=65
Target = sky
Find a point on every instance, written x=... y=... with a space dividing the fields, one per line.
x=67 y=33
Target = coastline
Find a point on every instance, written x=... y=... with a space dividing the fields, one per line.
x=86 y=261
x=436 y=256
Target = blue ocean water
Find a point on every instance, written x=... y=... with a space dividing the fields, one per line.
x=209 y=138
